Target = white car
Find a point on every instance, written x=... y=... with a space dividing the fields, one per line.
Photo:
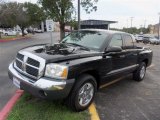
x=10 y=33
x=154 y=40
x=2 y=31
x=139 y=38
x=25 y=32
x=38 y=30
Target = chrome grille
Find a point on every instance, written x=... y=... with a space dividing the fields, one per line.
x=20 y=56
x=33 y=62
x=30 y=65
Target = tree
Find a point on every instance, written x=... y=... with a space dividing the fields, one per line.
x=61 y=11
x=89 y=5
x=22 y=14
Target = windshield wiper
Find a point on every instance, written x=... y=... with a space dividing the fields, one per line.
x=83 y=47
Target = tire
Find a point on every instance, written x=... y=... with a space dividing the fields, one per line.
x=6 y=34
x=139 y=74
x=73 y=100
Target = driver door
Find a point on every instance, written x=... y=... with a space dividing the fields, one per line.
x=118 y=58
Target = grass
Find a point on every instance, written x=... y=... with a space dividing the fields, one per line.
x=8 y=37
x=30 y=108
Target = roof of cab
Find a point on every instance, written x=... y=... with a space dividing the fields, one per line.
x=103 y=30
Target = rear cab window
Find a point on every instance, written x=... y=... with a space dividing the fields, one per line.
x=116 y=40
x=128 y=42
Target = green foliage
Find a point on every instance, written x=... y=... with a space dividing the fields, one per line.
x=133 y=30
x=22 y=14
x=58 y=10
x=89 y=5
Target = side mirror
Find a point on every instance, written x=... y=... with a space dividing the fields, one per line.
x=114 y=49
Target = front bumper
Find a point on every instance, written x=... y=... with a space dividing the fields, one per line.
x=44 y=87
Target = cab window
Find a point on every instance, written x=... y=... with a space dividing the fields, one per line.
x=116 y=40
x=128 y=42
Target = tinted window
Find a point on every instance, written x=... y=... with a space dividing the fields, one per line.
x=128 y=41
x=116 y=40
x=90 y=39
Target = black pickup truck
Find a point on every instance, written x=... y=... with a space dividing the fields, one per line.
x=83 y=62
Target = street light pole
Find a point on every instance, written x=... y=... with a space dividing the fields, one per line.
x=159 y=27
x=131 y=21
x=79 y=26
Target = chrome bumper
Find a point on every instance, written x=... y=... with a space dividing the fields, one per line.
x=42 y=83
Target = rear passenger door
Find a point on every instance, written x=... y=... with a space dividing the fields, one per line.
x=131 y=51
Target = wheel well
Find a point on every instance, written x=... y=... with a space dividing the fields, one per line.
x=146 y=61
x=95 y=74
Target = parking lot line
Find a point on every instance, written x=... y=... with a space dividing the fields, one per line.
x=93 y=112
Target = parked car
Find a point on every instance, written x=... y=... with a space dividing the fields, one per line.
x=2 y=31
x=77 y=67
x=25 y=32
x=139 y=38
x=10 y=33
x=38 y=31
x=151 y=40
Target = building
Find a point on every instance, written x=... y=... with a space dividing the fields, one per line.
x=96 y=24
x=153 y=29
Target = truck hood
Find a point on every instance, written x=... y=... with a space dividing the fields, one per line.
x=60 y=52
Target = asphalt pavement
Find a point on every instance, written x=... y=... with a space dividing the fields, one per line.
x=131 y=100
x=8 y=51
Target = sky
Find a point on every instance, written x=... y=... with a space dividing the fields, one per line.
x=144 y=12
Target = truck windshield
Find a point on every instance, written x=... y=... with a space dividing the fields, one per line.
x=89 y=39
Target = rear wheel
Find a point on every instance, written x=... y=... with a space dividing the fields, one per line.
x=6 y=34
x=83 y=93
x=139 y=74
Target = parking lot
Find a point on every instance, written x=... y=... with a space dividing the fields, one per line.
x=130 y=100
x=124 y=100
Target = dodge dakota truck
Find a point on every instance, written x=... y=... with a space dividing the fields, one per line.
x=82 y=63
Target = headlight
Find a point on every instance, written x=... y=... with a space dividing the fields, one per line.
x=56 y=71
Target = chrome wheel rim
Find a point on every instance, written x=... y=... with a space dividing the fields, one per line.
x=85 y=94
x=142 y=72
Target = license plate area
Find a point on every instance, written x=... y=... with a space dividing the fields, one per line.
x=16 y=82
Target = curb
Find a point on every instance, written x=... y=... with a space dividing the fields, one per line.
x=12 y=39
x=8 y=107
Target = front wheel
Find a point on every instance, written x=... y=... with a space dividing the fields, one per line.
x=139 y=74
x=83 y=93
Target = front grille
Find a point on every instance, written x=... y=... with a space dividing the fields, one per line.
x=19 y=64
x=20 y=56
x=29 y=65
x=32 y=71
x=33 y=62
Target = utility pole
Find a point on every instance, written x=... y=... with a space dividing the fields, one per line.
x=131 y=21
x=127 y=23
x=141 y=29
x=159 y=27
x=79 y=25
x=145 y=23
